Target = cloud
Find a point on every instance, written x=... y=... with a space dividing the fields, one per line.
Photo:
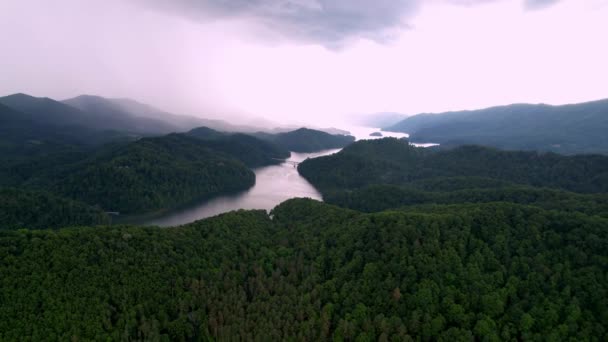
x=538 y=4
x=329 y=22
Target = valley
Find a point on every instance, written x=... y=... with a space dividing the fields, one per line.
x=304 y=170
x=289 y=235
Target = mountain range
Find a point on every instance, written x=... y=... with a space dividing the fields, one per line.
x=567 y=129
x=98 y=113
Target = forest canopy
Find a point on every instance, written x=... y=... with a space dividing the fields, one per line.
x=314 y=272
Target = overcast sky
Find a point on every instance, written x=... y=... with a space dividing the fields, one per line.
x=307 y=61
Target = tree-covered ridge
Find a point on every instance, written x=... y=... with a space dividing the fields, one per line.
x=375 y=198
x=40 y=210
x=206 y=133
x=130 y=176
x=393 y=161
x=24 y=137
x=252 y=151
x=152 y=174
x=569 y=129
x=307 y=140
x=314 y=272
x=115 y=116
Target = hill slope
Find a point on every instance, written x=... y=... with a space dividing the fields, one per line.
x=307 y=140
x=393 y=161
x=569 y=129
x=250 y=150
x=182 y=122
x=314 y=272
x=26 y=118
x=48 y=111
x=29 y=145
x=41 y=210
x=119 y=118
x=152 y=174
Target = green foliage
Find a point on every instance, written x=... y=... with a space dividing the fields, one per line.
x=40 y=210
x=393 y=161
x=314 y=272
x=382 y=197
x=23 y=136
x=152 y=174
x=250 y=150
x=206 y=133
x=578 y=128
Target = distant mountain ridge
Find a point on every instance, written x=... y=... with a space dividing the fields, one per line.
x=567 y=129
x=108 y=114
x=48 y=111
x=119 y=117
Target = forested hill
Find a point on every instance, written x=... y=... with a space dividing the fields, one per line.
x=48 y=111
x=94 y=114
x=40 y=210
x=117 y=117
x=129 y=177
x=568 y=129
x=314 y=272
x=152 y=174
x=78 y=113
x=252 y=151
x=307 y=140
x=393 y=161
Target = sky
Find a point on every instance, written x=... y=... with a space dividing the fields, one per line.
x=307 y=61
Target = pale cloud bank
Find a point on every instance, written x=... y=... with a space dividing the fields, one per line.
x=307 y=60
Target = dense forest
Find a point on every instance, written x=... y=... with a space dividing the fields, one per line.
x=44 y=148
x=569 y=129
x=460 y=244
x=375 y=198
x=40 y=210
x=250 y=150
x=152 y=174
x=395 y=161
x=490 y=272
x=70 y=150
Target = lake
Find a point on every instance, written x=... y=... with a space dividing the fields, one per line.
x=274 y=185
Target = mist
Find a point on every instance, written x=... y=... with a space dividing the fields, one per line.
x=306 y=62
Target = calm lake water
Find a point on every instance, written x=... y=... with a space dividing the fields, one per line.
x=274 y=184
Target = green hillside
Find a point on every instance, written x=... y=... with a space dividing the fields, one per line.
x=568 y=129
x=41 y=210
x=250 y=150
x=393 y=161
x=314 y=272
x=152 y=174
